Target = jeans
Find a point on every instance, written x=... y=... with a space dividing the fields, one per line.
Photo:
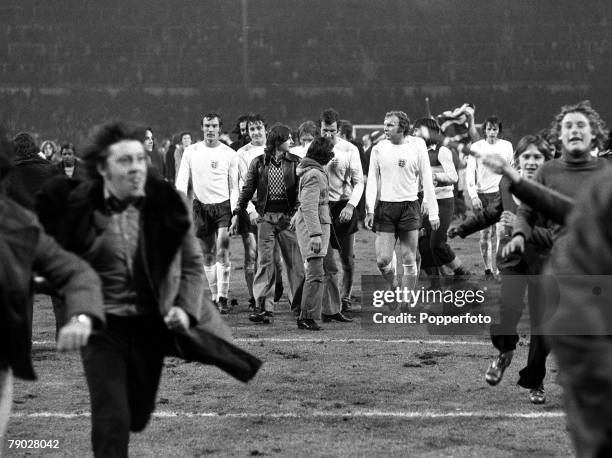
x=271 y=228
x=321 y=294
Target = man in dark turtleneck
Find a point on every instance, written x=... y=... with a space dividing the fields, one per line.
x=579 y=130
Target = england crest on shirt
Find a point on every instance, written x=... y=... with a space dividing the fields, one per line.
x=214 y=164
x=401 y=163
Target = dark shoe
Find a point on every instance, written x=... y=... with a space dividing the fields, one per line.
x=346 y=305
x=278 y=292
x=308 y=324
x=252 y=304
x=336 y=317
x=495 y=372
x=262 y=317
x=537 y=395
x=489 y=275
x=462 y=272
x=223 y=306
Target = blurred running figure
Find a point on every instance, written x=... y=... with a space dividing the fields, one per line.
x=580 y=130
x=519 y=272
x=213 y=170
x=392 y=205
x=483 y=184
x=345 y=190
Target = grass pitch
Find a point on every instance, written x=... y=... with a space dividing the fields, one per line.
x=348 y=390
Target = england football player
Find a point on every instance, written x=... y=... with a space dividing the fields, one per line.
x=392 y=205
x=213 y=170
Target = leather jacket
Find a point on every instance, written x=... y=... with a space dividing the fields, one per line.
x=257 y=180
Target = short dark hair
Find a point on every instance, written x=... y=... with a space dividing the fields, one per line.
x=346 y=128
x=330 y=116
x=103 y=136
x=211 y=115
x=431 y=124
x=256 y=118
x=182 y=134
x=321 y=150
x=24 y=145
x=67 y=146
x=241 y=118
x=493 y=120
x=433 y=127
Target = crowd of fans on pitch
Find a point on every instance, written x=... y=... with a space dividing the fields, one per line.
x=531 y=192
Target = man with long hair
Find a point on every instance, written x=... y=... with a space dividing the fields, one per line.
x=483 y=186
x=580 y=130
x=273 y=176
x=247 y=221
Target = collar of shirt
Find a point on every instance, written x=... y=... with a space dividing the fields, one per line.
x=275 y=162
x=115 y=205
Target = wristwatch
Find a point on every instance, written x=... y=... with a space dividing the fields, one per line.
x=81 y=318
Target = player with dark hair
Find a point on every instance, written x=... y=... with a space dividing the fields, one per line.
x=435 y=251
x=212 y=168
x=345 y=190
x=483 y=185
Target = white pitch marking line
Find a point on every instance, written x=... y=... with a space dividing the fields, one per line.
x=410 y=341
x=285 y=340
x=321 y=414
